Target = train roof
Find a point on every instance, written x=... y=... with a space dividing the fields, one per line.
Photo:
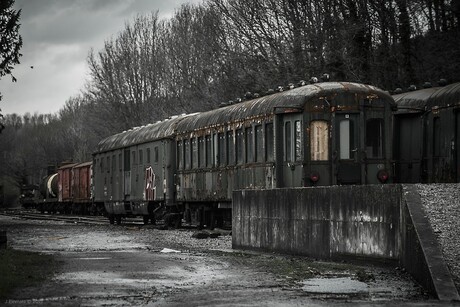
x=138 y=135
x=446 y=96
x=421 y=100
x=294 y=98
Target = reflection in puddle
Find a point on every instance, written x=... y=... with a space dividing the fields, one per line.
x=339 y=285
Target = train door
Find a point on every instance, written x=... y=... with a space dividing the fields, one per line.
x=409 y=151
x=348 y=149
x=292 y=132
x=127 y=174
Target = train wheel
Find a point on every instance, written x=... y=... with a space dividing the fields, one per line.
x=153 y=220
x=111 y=219
x=118 y=219
x=146 y=219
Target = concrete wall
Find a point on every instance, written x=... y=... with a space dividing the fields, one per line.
x=325 y=222
x=373 y=222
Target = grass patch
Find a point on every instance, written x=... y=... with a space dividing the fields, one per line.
x=22 y=269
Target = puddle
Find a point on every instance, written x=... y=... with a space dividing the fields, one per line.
x=339 y=285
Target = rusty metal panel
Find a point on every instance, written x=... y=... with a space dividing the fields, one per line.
x=65 y=182
x=82 y=182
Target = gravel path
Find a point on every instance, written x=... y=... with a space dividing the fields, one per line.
x=442 y=205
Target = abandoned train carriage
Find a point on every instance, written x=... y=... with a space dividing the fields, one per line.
x=427 y=135
x=134 y=171
x=321 y=134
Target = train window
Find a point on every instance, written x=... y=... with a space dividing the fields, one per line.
x=208 y=151
x=108 y=164
x=187 y=154
x=221 y=149
x=287 y=142
x=319 y=140
x=133 y=157
x=148 y=155
x=269 y=142
x=119 y=162
x=374 y=138
x=298 y=140
x=215 y=150
x=230 y=147
x=436 y=137
x=249 y=146
x=259 y=154
x=180 y=155
x=239 y=146
x=127 y=163
x=101 y=165
x=194 y=150
x=347 y=141
x=114 y=163
x=155 y=154
x=201 y=151
x=141 y=156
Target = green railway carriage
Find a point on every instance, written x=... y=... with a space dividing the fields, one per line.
x=427 y=135
x=134 y=171
x=319 y=134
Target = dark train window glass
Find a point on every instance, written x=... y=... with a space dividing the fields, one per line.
x=269 y=142
x=436 y=137
x=180 y=155
x=347 y=142
x=215 y=150
x=114 y=163
x=133 y=157
x=119 y=161
x=194 y=150
x=259 y=154
x=208 y=151
x=148 y=155
x=155 y=154
x=319 y=140
x=221 y=149
x=127 y=161
x=287 y=142
x=201 y=152
x=108 y=164
x=249 y=145
x=141 y=156
x=230 y=147
x=239 y=146
x=374 y=138
x=298 y=140
x=187 y=154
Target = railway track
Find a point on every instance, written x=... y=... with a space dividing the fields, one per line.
x=74 y=219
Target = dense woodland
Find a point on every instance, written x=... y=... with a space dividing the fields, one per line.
x=218 y=51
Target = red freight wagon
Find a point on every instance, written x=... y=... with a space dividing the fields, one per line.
x=65 y=187
x=81 y=187
x=65 y=182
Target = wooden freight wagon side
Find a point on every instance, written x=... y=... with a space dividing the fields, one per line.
x=81 y=188
x=65 y=187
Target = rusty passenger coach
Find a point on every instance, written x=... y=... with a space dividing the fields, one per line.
x=188 y=166
x=427 y=135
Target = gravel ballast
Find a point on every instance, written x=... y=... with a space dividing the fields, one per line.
x=442 y=206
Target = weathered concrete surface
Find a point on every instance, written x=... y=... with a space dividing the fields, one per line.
x=373 y=222
x=325 y=222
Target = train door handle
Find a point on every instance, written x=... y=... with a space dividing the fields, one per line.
x=355 y=154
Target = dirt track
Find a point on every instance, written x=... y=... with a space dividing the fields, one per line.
x=137 y=265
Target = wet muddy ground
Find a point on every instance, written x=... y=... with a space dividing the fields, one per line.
x=139 y=265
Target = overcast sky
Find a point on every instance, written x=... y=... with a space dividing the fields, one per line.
x=57 y=36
